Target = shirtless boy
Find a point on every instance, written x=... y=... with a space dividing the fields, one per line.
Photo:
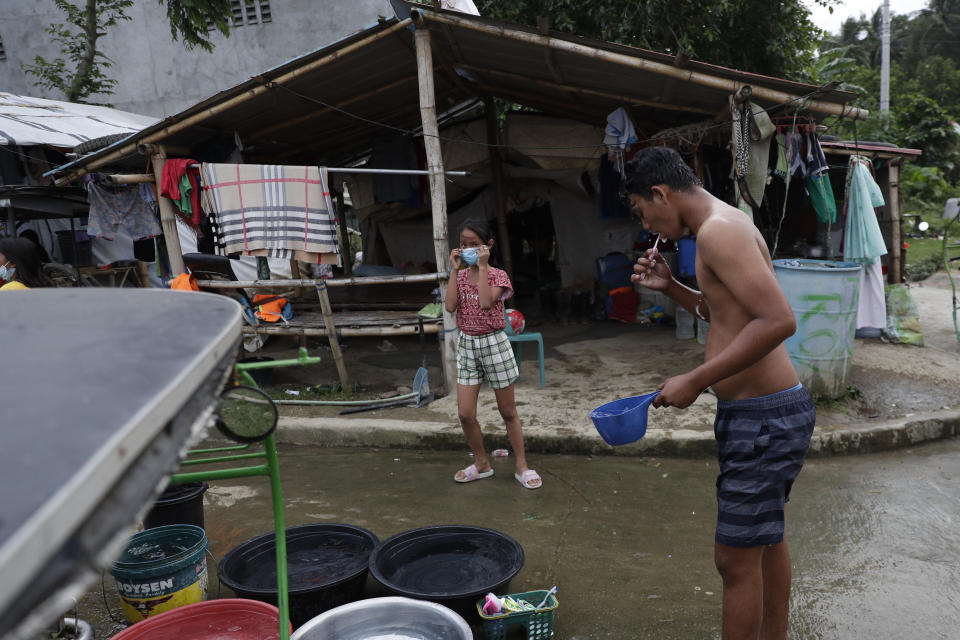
x=764 y=416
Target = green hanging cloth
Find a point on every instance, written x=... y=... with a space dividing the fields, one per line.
x=821 y=197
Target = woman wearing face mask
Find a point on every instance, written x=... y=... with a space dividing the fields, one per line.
x=20 y=265
x=476 y=292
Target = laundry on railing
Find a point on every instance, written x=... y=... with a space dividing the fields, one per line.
x=276 y=211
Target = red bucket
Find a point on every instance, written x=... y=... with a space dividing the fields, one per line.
x=226 y=619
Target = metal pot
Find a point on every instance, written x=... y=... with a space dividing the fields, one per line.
x=392 y=617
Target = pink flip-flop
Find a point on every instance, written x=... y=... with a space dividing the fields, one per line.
x=527 y=478
x=470 y=474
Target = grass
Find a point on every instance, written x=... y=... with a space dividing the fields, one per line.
x=923 y=248
x=312 y=392
x=924 y=257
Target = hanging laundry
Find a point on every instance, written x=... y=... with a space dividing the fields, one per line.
x=620 y=132
x=862 y=239
x=752 y=131
x=274 y=211
x=110 y=208
x=180 y=181
x=782 y=167
x=821 y=197
x=612 y=204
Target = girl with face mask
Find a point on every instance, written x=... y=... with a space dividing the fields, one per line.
x=476 y=292
x=20 y=265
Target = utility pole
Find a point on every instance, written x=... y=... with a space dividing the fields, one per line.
x=885 y=59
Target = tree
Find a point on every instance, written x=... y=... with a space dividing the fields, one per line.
x=772 y=38
x=81 y=71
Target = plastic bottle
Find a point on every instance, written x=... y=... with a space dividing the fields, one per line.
x=684 y=318
x=702 y=327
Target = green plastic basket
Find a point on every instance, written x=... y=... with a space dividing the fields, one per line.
x=539 y=623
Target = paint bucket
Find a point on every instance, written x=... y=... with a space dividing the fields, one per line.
x=824 y=296
x=178 y=504
x=161 y=569
x=224 y=619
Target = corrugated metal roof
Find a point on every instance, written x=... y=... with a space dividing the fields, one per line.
x=327 y=106
x=28 y=121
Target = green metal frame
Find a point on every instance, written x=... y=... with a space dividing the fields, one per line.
x=946 y=265
x=271 y=469
x=302 y=359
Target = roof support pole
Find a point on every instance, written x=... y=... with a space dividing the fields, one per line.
x=438 y=197
x=498 y=187
x=896 y=222
x=168 y=218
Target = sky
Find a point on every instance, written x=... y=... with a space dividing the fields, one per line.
x=853 y=8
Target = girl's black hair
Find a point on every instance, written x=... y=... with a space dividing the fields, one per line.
x=26 y=257
x=478 y=226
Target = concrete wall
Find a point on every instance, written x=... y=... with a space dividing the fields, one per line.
x=160 y=77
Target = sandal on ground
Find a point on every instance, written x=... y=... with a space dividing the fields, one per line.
x=530 y=479
x=470 y=474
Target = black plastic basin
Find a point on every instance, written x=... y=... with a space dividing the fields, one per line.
x=453 y=565
x=326 y=567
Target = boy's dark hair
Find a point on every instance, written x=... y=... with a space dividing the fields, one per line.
x=26 y=257
x=478 y=226
x=658 y=165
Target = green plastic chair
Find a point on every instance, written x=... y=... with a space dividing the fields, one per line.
x=517 y=340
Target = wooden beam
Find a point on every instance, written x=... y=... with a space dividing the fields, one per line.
x=633 y=62
x=345 y=254
x=896 y=231
x=438 y=196
x=262 y=133
x=547 y=104
x=670 y=87
x=618 y=97
x=331 y=282
x=332 y=334
x=195 y=119
x=498 y=187
x=548 y=57
x=168 y=218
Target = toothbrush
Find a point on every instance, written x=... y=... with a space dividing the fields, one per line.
x=547 y=597
x=655 y=243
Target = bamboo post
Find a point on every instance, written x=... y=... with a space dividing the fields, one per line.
x=345 y=252
x=332 y=334
x=498 y=187
x=168 y=219
x=438 y=196
x=896 y=237
x=143 y=272
x=295 y=275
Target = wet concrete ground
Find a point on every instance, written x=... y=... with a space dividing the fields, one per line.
x=629 y=541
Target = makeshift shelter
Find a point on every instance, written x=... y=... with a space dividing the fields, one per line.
x=426 y=69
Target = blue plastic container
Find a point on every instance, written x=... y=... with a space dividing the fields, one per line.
x=687 y=255
x=824 y=296
x=623 y=421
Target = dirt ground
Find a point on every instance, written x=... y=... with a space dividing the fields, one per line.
x=588 y=364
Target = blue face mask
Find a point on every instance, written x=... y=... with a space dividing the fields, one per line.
x=469 y=256
x=6 y=273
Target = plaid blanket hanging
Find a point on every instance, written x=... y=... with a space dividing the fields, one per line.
x=276 y=211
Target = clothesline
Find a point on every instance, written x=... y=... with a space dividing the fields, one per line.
x=405 y=172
